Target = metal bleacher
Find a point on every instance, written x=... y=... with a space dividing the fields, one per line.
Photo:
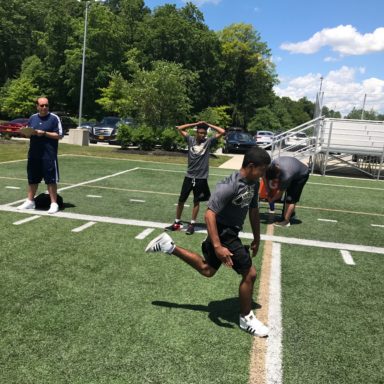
x=336 y=145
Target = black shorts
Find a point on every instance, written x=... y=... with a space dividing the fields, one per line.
x=199 y=187
x=294 y=191
x=39 y=169
x=229 y=238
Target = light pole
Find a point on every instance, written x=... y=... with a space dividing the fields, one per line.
x=83 y=63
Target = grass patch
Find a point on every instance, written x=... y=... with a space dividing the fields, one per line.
x=92 y=307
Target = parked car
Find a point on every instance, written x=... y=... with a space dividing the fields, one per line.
x=67 y=122
x=106 y=130
x=238 y=142
x=12 y=128
x=264 y=138
x=298 y=139
x=87 y=125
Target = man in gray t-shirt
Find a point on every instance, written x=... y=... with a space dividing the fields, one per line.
x=228 y=206
x=197 y=172
x=289 y=175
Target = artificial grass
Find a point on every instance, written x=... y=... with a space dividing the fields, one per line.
x=332 y=321
x=92 y=307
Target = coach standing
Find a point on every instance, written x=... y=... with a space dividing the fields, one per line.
x=42 y=154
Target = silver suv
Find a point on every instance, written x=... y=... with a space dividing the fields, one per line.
x=106 y=130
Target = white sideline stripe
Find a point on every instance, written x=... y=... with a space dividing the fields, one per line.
x=377 y=225
x=331 y=221
x=137 y=201
x=185 y=205
x=244 y=235
x=144 y=234
x=347 y=257
x=26 y=220
x=10 y=187
x=84 y=183
x=273 y=360
x=346 y=186
x=85 y=226
x=94 y=196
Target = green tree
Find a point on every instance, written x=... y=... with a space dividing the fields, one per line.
x=359 y=115
x=264 y=120
x=117 y=97
x=295 y=110
x=216 y=115
x=17 y=97
x=181 y=36
x=248 y=72
x=157 y=97
x=330 y=113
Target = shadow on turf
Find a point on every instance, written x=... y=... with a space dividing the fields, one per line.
x=223 y=313
x=268 y=218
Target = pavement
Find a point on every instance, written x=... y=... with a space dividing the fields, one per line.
x=234 y=162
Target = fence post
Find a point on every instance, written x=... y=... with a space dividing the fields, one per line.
x=381 y=164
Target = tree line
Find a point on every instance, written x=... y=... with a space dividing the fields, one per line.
x=162 y=67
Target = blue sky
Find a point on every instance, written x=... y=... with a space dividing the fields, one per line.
x=341 y=41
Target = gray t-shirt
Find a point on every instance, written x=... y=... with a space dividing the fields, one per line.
x=232 y=199
x=198 y=157
x=291 y=169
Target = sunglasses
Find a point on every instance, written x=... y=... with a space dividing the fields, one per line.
x=44 y=105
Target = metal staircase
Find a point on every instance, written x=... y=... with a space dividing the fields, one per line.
x=335 y=145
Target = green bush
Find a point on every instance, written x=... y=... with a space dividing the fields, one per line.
x=171 y=140
x=145 y=137
x=125 y=135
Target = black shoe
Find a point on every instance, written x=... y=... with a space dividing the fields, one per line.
x=175 y=227
x=190 y=229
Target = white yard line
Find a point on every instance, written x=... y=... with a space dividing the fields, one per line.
x=83 y=183
x=347 y=257
x=85 y=226
x=26 y=220
x=98 y=179
x=244 y=235
x=137 y=201
x=328 y=220
x=142 y=235
x=377 y=225
x=273 y=362
x=11 y=187
x=12 y=161
x=95 y=196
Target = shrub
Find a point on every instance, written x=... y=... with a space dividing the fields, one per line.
x=144 y=136
x=171 y=140
x=125 y=135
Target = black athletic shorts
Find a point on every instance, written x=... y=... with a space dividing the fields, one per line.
x=229 y=238
x=39 y=169
x=294 y=190
x=199 y=187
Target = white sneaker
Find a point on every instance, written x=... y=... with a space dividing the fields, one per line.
x=161 y=243
x=255 y=327
x=54 y=208
x=28 y=204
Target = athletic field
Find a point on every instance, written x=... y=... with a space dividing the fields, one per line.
x=82 y=303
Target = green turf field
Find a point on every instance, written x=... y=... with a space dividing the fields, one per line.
x=89 y=306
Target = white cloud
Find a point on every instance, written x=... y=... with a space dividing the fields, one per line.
x=344 y=39
x=342 y=92
x=202 y=2
x=276 y=59
x=330 y=59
